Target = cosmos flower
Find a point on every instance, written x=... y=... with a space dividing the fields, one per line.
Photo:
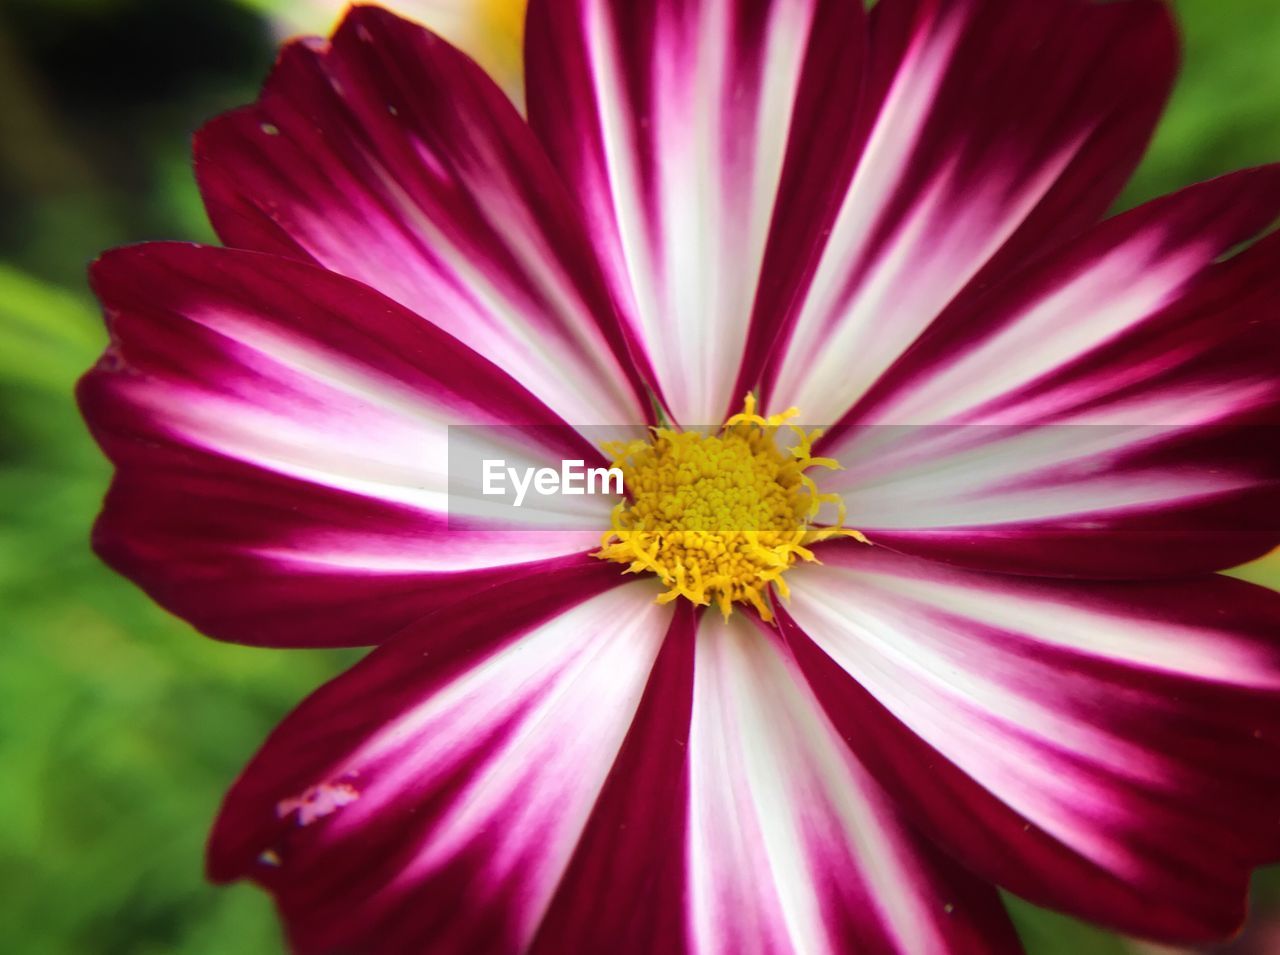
x=805 y=689
x=489 y=31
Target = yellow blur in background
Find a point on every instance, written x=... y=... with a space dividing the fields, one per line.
x=490 y=31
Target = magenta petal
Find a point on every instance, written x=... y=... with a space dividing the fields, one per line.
x=684 y=129
x=994 y=129
x=793 y=845
x=280 y=439
x=433 y=797
x=1026 y=349
x=262 y=559
x=1110 y=411
x=388 y=156
x=633 y=841
x=573 y=769
x=1110 y=750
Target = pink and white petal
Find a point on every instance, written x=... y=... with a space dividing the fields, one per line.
x=276 y=427
x=432 y=798
x=793 y=846
x=1109 y=750
x=388 y=156
x=1024 y=337
x=995 y=128
x=633 y=839
x=265 y=559
x=1110 y=411
x=685 y=128
x=473 y=784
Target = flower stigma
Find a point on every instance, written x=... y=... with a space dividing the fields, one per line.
x=719 y=518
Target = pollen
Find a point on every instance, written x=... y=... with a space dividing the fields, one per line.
x=719 y=518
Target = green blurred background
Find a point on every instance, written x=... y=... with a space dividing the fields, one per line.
x=120 y=727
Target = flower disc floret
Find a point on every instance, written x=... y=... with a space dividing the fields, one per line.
x=719 y=518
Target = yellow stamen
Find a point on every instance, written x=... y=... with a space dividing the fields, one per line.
x=719 y=518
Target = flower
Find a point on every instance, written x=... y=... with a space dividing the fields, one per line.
x=822 y=699
x=487 y=30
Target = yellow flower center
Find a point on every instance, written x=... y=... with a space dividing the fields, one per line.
x=719 y=518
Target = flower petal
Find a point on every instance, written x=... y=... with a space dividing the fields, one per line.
x=994 y=129
x=388 y=156
x=1110 y=750
x=793 y=845
x=281 y=440
x=684 y=127
x=1109 y=411
x=432 y=798
x=632 y=840
x=473 y=785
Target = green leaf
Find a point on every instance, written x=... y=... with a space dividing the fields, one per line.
x=48 y=335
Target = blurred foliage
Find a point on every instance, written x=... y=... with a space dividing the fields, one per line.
x=1225 y=111
x=120 y=728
